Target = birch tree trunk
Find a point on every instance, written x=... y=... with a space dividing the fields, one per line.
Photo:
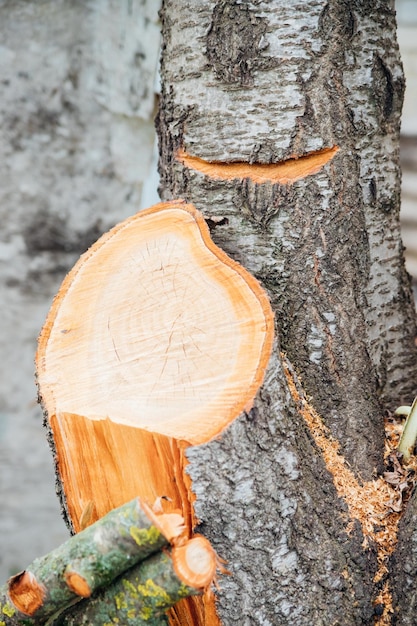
x=283 y=84
x=76 y=143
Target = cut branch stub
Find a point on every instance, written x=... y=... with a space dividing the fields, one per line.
x=156 y=340
x=156 y=328
x=91 y=560
x=142 y=595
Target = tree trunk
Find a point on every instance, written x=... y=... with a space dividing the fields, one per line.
x=259 y=83
x=76 y=119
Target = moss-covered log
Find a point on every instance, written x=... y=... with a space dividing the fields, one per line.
x=88 y=561
x=142 y=595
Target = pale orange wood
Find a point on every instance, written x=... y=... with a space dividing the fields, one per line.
x=109 y=464
x=31 y=594
x=284 y=172
x=156 y=340
x=194 y=562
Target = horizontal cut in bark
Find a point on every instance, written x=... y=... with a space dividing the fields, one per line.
x=91 y=560
x=156 y=340
x=284 y=172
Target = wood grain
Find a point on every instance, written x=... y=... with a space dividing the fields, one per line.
x=156 y=341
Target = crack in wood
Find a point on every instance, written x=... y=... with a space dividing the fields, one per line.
x=284 y=172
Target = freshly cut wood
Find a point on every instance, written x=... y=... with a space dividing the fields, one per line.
x=284 y=172
x=193 y=562
x=156 y=341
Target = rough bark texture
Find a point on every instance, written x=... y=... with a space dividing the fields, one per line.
x=268 y=504
x=404 y=569
x=76 y=120
x=261 y=82
x=327 y=247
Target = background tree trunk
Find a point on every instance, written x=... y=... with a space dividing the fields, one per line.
x=77 y=142
x=261 y=83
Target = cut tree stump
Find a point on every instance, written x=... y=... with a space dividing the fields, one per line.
x=156 y=341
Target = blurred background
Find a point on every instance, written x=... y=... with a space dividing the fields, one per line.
x=407 y=36
x=78 y=155
x=78 y=95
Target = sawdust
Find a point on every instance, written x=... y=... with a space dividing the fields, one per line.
x=377 y=504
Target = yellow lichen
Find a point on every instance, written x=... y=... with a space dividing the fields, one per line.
x=120 y=601
x=146 y=613
x=152 y=590
x=145 y=536
x=7 y=609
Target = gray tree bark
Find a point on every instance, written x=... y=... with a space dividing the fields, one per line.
x=261 y=82
x=253 y=82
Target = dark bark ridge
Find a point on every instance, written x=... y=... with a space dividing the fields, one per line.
x=269 y=505
x=327 y=249
x=404 y=569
